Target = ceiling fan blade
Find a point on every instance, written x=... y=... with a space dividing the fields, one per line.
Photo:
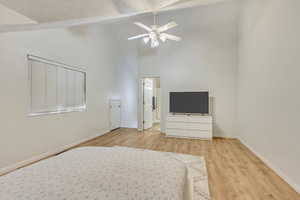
x=165 y=36
x=167 y=26
x=143 y=26
x=162 y=37
x=138 y=36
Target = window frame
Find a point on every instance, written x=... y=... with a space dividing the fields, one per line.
x=56 y=64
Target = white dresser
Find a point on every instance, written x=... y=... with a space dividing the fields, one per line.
x=189 y=126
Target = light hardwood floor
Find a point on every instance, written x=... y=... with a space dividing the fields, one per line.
x=235 y=173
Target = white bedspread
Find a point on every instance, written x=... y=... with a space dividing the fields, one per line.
x=109 y=173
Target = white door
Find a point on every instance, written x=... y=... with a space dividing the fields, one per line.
x=148 y=94
x=115 y=114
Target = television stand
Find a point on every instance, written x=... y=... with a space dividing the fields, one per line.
x=189 y=126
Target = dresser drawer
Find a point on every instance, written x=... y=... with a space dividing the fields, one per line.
x=198 y=126
x=176 y=125
x=189 y=126
x=199 y=119
x=177 y=118
x=189 y=133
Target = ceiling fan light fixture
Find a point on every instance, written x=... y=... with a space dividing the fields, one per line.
x=146 y=40
x=156 y=33
x=154 y=43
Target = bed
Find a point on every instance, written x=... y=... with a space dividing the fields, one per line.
x=109 y=173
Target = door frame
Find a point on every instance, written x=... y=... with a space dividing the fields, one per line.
x=141 y=100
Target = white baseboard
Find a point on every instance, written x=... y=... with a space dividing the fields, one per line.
x=278 y=171
x=33 y=159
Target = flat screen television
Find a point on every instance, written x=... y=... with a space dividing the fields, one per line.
x=189 y=102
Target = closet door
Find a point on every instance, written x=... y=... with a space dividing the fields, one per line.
x=115 y=114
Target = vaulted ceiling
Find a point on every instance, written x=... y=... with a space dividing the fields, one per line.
x=80 y=11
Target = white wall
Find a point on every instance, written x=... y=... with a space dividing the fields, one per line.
x=269 y=97
x=94 y=48
x=128 y=71
x=206 y=59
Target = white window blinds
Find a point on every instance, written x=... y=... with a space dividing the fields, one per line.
x=55 y=87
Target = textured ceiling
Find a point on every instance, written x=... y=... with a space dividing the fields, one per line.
x=44 y=11
x=63 y=13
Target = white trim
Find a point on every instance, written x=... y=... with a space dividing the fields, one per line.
x=277 y=170
x=140 y=113
x=55 y=63
x=36 y=158
x=141 y=104
x=67 y=110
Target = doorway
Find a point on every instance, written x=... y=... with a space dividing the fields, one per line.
x=151 y=104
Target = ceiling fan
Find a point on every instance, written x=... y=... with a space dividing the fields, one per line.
x=156 y=33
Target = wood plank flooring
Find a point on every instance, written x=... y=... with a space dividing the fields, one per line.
x=235 y=173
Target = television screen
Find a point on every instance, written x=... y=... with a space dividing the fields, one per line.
x=189 y=102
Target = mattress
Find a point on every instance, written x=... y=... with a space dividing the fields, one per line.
x=109 y=173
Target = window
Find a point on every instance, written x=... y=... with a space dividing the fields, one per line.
x=55 y=87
